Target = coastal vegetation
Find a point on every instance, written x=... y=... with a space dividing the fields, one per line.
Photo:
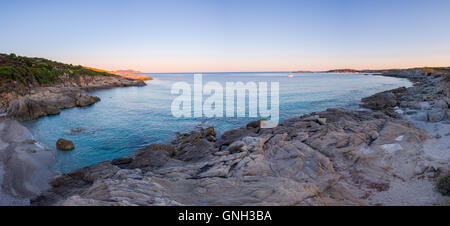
x=28 y=71
x=443 y=185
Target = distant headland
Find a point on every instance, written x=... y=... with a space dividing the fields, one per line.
x=129 y=74
x=129 y=71
x=397 y=72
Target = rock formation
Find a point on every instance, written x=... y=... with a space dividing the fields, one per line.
x=351 y=158
x=428 y=100
x=43 y=101
x=23 y=164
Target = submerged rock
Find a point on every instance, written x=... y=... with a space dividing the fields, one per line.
x=76 y=130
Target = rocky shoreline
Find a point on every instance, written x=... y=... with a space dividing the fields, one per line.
x=24 y=163
x=335 y=157
x=33 y=103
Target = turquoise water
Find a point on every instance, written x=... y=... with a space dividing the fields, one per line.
x=128 y=119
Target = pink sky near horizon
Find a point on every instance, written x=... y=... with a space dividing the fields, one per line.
x=180 y=65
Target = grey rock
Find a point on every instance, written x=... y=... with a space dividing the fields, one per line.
x=302 y=136
x=440 y=104
x=24 y=170
x=312 y=118
x=211 y=139
x=122 y=161
x=316 y=118
x=436 y=115
x=322 y=121
x=380 y=101
x=374 y=135
x=421 y=116
x=422 y=106
x=153 y=156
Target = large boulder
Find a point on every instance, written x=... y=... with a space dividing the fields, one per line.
x=423 y=105
x=440 y=104
x=436 y=115
x=64 y=145
x=380 y=101
x=254 y=124
x=421 y=116
x=86 y=100
x=153 y=156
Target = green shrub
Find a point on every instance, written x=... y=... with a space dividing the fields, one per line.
x=6 y=71
x=12 y=56
x=443 y=185
x=17 y=76
x=42 y=65
x=26 y=69
x=44 y=75
x=27 y=62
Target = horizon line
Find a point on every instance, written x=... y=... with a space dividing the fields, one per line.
x=294 y=71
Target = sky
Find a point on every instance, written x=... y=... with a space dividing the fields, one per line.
x=229 y=35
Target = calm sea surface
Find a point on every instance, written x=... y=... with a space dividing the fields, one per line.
x=128 y=119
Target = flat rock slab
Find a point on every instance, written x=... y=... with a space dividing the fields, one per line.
x=24 y=171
